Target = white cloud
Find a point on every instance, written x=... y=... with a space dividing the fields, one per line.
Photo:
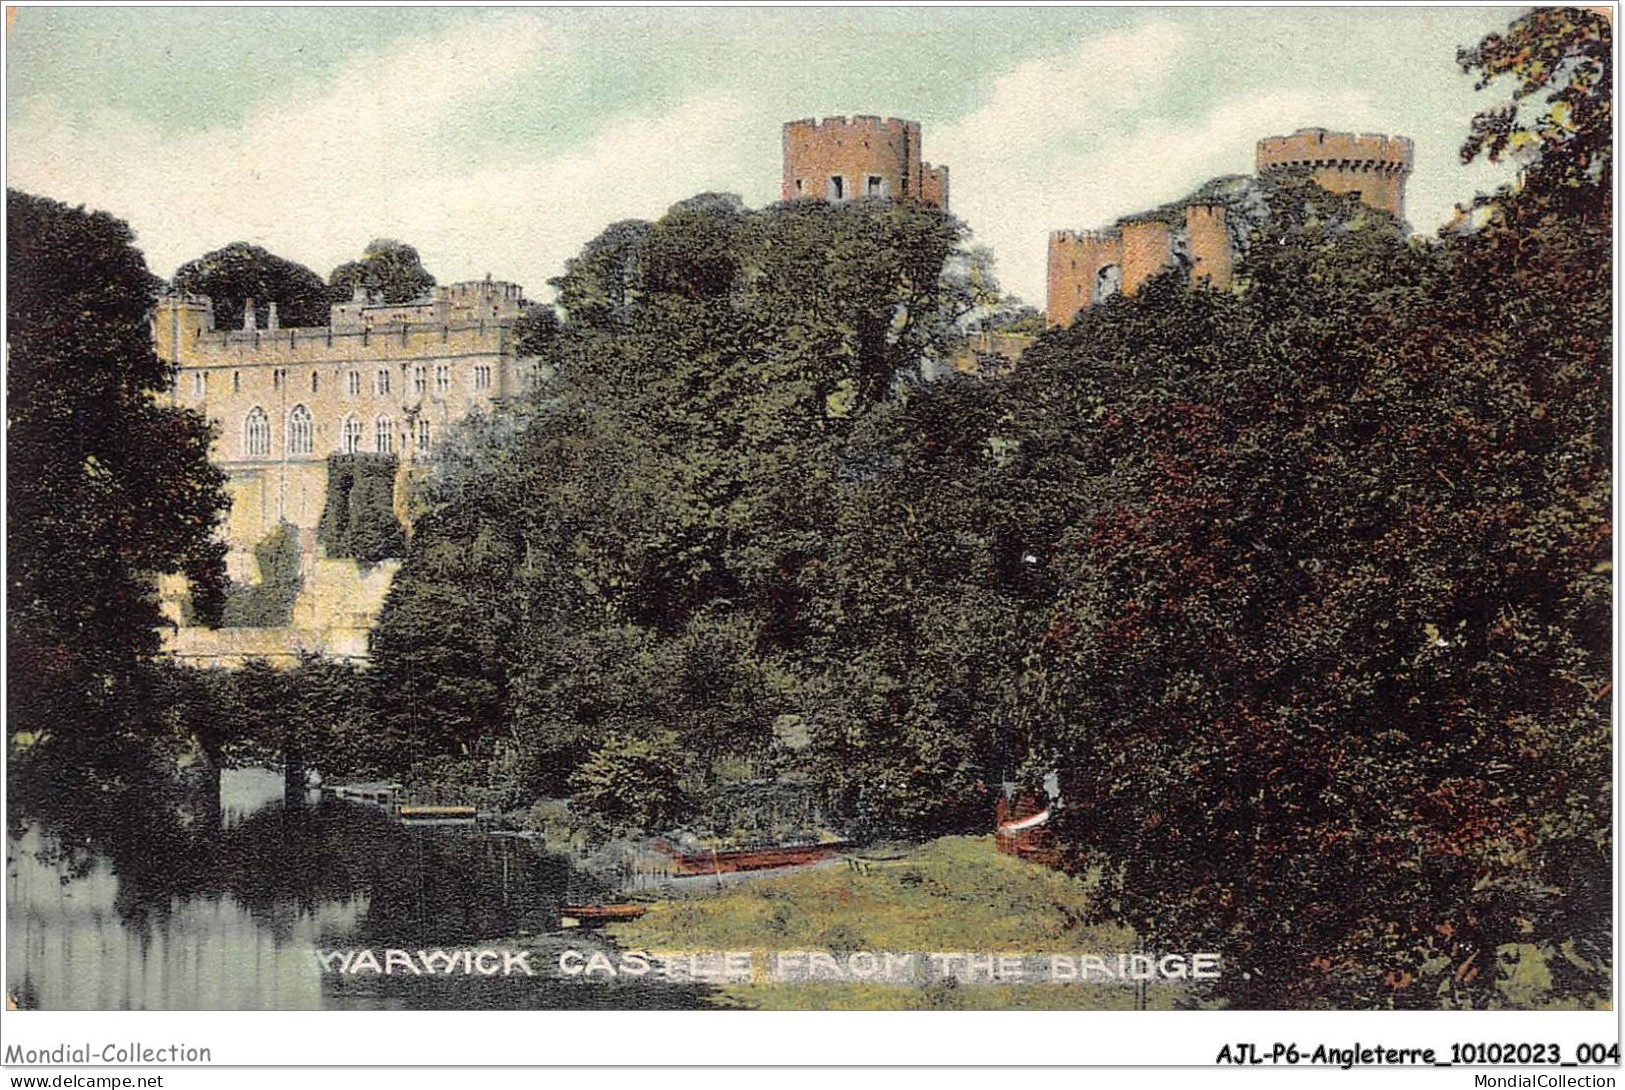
x=1043 y=104
x=533 y=216
x=314 y=176
x=1073 y=140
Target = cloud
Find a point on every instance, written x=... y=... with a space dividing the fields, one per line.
x=533 y=216
x=1076 y=138
x=1048 y=103
x=314 y=175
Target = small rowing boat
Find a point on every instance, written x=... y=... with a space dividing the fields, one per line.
x=728 y=862
x=436 y=815
x=598 y=915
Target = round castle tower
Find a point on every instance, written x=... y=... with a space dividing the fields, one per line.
x=1371 y=166
x=840 y=160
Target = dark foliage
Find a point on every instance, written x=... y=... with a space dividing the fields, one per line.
x=106 y=488
x=391 y=269
x=358 y=515
x=233 y=274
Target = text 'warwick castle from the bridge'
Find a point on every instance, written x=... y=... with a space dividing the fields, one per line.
x=388 y=380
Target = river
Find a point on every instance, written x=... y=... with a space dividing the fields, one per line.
x=169 y=907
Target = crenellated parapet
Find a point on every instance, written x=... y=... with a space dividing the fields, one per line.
x=1372 y=166
x=1323 y=147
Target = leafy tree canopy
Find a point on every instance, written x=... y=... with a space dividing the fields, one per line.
x=1561 y=57
x=241 y=271
x=106 y=488
x=391 y=268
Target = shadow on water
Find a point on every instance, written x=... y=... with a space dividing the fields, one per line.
x=155 y=900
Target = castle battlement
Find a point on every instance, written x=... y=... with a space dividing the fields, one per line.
x=1082 y=236
x=399 y=342
x=1085 y=267
x=858 y=122
x=185 y=299
x=1323 y=148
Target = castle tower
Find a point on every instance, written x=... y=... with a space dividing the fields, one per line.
x=1148 y=248
x=1371 y=166
x=840 y=160
x=177 y=322
x=1085 y=267
x=1208 y=245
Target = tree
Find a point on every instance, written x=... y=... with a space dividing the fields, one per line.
x=653 y=536
x=633 y=781
x=597 y=286
x=240 y=271
x=536 y=331
x=1321 y=672
x=387 y=266
x=106 y=487
x=1566 y=142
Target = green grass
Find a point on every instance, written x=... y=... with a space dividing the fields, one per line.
x=953 y=894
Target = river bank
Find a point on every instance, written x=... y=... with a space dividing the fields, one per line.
x=951 y=894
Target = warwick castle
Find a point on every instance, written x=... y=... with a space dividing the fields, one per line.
x=388 y=381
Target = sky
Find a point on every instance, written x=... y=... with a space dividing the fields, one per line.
x=501 y=140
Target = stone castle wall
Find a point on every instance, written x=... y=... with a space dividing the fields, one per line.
x=379 y=379
x=332 y=617
x=1081 y=263
x=839 y=160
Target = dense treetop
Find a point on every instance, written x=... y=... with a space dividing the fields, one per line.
x=240 y=271
x=388 y=267
x=105 y=487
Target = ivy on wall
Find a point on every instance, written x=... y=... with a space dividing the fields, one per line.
x=358 y=519
x=268 y=603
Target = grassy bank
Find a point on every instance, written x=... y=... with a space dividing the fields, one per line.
x=953 y=894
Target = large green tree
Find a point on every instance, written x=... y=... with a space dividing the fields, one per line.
x=234 y=274
x=642 y=552
x=1326 y=671
x=387 y=266
x=106 y=487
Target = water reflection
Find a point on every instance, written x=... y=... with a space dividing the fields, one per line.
x=161 y=903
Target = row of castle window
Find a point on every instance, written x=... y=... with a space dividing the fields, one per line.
x=301 y=436
x=380 y=381
x=838 y=190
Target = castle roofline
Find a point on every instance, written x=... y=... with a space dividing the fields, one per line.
x=1311 y=145
x=872 y=122
x=1081 y=235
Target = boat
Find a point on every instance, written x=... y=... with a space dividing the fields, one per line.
x=436 y=815
x=598 y=915
x=744 y=859
x=1021 y=827
x=379 y=793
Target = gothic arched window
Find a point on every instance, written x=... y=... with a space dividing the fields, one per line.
x=256 y=433
x=350 y=436
x=299 y=430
